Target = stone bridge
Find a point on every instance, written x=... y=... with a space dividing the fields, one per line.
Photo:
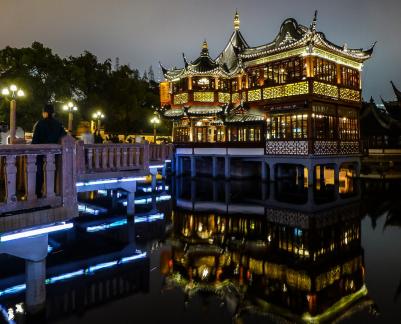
x=68 y=168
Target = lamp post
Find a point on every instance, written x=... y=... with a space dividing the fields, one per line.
x=14 y=92
x=70 y=107
x=155 y=121
x=98 y=116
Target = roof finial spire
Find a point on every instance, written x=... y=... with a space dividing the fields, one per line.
x=314 y=21
x=205 y=49
x=236 y=20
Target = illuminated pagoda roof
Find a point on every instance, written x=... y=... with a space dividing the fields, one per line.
x=226 y=64
x=294 y=36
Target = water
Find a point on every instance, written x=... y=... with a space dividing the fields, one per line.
x=221 y=252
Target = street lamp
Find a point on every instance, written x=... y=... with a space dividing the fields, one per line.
x=70 y=107
x=13 y=92
x=98 y=116
x=155 y=121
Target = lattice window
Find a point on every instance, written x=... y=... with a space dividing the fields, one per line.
x=286 y=90
x=224 y=97
x=348 y=94
x=235 y=97
x=254 y=95
x=180 y=98
x=204 y=96
x=324 y=89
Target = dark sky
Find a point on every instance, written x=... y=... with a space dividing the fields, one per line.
x=143 y=32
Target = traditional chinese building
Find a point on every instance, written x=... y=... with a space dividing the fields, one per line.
x=297 y=97
x=381 y=136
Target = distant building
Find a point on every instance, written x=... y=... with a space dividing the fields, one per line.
x=298 y=96
x=381 y=134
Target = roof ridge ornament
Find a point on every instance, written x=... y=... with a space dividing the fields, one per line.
x=314 y=22
x=185 y=60
x=205 y=48
x=396 y=91
x=236 y=20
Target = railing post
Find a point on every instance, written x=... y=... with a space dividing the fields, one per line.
x=145 y=161
x=81 y=158
x=111 y=156
x=97 y=156
x=69 y=175
x=125 y=156
x=11 y=178
x=104 y=157
x=131 y=156
x=50 y=175
x=117 y=153
x=30 y=177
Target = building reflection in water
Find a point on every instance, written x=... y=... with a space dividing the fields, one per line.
x=281 y=251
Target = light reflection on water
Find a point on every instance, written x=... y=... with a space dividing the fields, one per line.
x=239 y=251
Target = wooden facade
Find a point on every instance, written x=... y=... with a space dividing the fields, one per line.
x=299 y=94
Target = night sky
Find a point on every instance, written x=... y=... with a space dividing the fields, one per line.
x=143 y=32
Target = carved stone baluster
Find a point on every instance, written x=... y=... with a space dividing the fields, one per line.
x=11 y=179
x=30 y=177
x=104 y=157
x=118 y=157
x=145 y=156
x=111 y=157
x=137 y=155
x=89 y=162
x=131 y=157
x=50 y=175
x=97 y=158
x=125 y=156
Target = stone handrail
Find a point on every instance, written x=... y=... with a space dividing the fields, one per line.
x=111 y=157
x=18 y=175
x=96 y=158
x=160 y=152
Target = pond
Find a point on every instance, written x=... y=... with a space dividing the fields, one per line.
x=216 y=251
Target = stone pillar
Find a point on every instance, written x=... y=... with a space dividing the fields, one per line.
x=193 y=192
x=215 y=191
x=227 y=192
x=357 y=166
x=153 y=173
x=35 y=296
x=311 y=173
x=113 y=199
x=178 y=165
x=131 y=200
x=193 y=166
x=263 y=170
x=214 y=166
x=227 y=167
x=336 y=167
x=272 y=171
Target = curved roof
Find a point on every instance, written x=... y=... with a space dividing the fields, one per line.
x=290 y=36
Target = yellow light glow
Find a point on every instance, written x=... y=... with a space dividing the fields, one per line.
x=65 y=107
x=13 y=87
x=21 y=93
x=5 y=92
x=70 y=104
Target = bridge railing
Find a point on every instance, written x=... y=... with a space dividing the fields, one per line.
x=160 y=152
x=19 y=165
x=110 y=157
x=96 y=158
